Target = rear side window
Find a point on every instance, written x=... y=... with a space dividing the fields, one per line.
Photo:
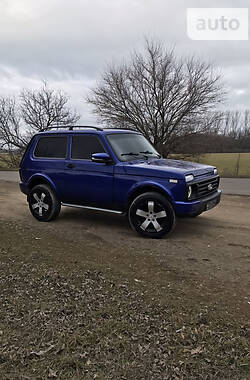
x=84 y=146
x=51 y=147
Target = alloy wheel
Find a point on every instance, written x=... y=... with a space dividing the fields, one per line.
x=38 y=204
x=152 y=216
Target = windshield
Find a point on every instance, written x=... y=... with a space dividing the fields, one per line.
x=131 y=146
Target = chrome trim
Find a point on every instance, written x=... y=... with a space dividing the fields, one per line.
x=202 y=180
x=93 y=208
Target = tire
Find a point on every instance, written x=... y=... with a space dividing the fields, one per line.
x=151 y=215
x=43 y=203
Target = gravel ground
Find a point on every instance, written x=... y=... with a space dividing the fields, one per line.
x=84 y=297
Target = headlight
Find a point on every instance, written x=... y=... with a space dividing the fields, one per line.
x=215 y=171
x=189 y=191
x=189 y=178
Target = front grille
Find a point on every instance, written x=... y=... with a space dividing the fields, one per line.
x=205 y=188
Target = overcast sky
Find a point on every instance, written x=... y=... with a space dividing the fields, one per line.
x=68 y=43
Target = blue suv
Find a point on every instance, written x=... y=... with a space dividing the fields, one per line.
x=116 y=171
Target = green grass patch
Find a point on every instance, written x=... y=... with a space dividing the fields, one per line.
x=225 y=162
x=244 y=165
x=228 y=164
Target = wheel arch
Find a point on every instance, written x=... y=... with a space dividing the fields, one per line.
x=145 y=188
x=41 y=179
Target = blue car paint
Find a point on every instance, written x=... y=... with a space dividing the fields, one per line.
x=112 y=186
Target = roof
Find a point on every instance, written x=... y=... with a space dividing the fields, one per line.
x=84 y=129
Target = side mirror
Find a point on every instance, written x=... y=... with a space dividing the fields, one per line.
x=102 y=158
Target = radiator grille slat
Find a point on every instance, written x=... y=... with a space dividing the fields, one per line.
x=205 y=188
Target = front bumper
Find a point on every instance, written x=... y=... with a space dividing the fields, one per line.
x=198 y=206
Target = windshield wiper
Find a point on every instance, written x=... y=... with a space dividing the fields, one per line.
x=144 y=154
x=130 y=154
x=148 y=152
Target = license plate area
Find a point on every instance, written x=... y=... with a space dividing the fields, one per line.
x=211 y=204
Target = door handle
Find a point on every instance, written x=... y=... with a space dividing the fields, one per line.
x=69 y=166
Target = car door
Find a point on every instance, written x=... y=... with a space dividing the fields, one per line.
x=88 y=183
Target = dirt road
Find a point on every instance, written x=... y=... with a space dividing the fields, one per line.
x=214 y=246
x=203 y=268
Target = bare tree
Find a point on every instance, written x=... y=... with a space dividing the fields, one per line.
x=230 y=133
x=12 y=140
x=36 y=110
x=235 y=128
x=46 y=107
x=157 y=94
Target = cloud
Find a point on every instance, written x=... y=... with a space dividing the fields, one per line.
x=69 y=42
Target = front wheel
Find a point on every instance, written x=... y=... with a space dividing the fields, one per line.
x=43 y=203
x=151 y=215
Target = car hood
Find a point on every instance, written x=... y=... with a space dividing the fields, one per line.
x=167 y=168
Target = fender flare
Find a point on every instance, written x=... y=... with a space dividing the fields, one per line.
x=150 y=185
x=44 y=179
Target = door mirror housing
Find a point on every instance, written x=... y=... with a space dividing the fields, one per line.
x=102 y=158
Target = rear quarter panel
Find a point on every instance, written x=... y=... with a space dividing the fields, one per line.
x=51 y=170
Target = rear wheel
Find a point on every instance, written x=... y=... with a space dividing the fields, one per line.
x=151 y=215
x=43 y=203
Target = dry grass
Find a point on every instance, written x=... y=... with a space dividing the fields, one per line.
x=3 y=164
x=6 y=163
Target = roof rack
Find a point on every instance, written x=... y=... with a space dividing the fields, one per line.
x=70 y=127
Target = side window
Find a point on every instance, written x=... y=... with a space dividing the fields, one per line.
x=51 y=147
x=84 y=146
